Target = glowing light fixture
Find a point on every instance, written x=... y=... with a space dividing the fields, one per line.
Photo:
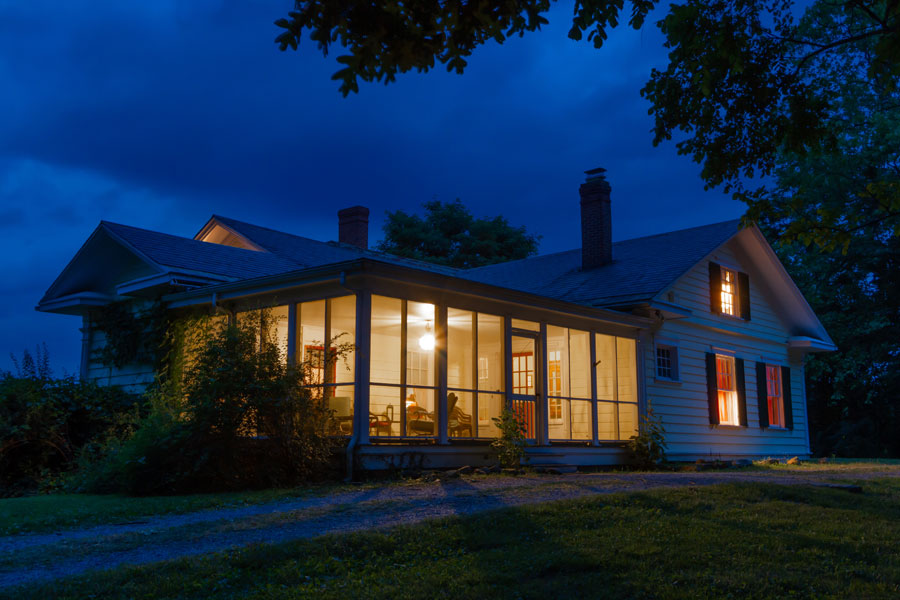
x=426 y=342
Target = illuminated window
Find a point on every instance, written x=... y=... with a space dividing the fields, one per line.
x=726 y=383
x=729 y=292
x=554 y=385
x=774 y=396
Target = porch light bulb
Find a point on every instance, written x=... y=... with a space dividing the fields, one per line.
x=426 y=342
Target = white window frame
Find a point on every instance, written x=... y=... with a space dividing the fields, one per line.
x=672 y=347
x=727 y=396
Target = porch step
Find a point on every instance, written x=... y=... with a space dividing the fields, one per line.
x=554 y=469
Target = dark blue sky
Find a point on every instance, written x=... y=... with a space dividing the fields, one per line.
x=158 y=114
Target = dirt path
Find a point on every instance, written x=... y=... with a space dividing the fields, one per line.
x=39 y=557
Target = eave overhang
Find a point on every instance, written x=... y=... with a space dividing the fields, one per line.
x=340 y=272
x=810 y=344
x=171 y=278
x=75 y=304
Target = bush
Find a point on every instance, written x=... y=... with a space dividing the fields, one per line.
x=47 y=424
x=648 y=448
x=510 y=446
x=239 y=418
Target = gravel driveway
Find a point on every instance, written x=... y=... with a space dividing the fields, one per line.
x=31 y=558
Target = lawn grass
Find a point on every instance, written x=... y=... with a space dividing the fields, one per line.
x=736 y=540
x=54 y=512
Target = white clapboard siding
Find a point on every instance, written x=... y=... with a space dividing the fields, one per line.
x=683 y=407
x=133 y=378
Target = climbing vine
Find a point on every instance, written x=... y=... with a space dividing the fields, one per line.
x=133 y=334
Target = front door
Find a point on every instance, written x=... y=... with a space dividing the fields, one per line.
x=524 y=382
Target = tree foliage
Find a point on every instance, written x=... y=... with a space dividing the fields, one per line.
x=854 y=285
x=744 y=80
x=47 y=424
x=242 y=417
x=450 y=235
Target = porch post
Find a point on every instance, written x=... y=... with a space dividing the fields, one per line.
x=595 y=425
x=85 y=347
x=541 y=374
x=361 y=365
x=642 y=344
x=507 y=361
x=440 y=358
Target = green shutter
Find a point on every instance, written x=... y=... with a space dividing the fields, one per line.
x=762 y=394
x=715 y=288
x=741 y=390
x=786 y=397
x=744 y=294
x=712 y=388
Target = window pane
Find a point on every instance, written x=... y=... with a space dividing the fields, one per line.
x=459 y=349
x=340 y=400
x=523 y=366
x=606 y=366
x=521 y=324
x=557 y=365
x=580 y=363
x=311 y=339
x=277 y=329
x=559 y=427
x=490 y=353
x=420 y=343
x=729 y=289
x=385 y=351
x=384 y=411
x=343 y=331
x=421 y=418
x=606 y=421
x=489 y=407
x=626 y=370
x=628 y=420
x=459 y=414
x=581 y=419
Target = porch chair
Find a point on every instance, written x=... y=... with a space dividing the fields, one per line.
x=458 y=420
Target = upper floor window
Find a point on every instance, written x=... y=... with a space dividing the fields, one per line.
x=729 y=287
x=729 y=291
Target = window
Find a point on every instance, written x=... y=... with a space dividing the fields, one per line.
x=774 y=396
x=474 y=373
x=667 y=362
x=729 y=289
x=726 y=382
x=554 y=385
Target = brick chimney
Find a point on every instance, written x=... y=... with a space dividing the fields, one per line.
x=596 y=220
x=353 y=226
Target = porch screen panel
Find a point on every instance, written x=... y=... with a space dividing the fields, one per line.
x=461 y=373
x=386 y=341
x=384 y=411
x=626 y=372
x=310 y=348
x=558 y=407
x=490 y=373
x=616 y=371
x=343 y=332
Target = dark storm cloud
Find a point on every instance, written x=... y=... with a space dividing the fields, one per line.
x=158 y=114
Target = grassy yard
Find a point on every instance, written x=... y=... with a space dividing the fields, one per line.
x=66 y=511
x=736 y=540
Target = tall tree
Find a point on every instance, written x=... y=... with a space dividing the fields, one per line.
x=741 y=83
x=854 y=286
x=450 y=235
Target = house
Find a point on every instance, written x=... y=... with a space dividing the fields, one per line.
x=702 y=325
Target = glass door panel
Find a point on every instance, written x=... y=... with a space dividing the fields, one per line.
x=524 y=399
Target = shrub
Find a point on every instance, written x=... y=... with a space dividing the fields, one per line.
x=648 y=448
x=46 y=424
x=239 y=418
x=510 y=446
